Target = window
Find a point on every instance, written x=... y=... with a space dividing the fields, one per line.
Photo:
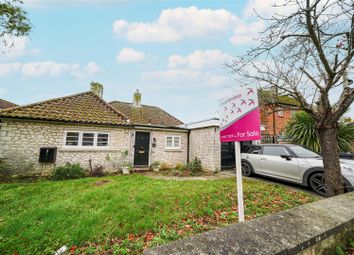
x=173 y=142
x=280 y=113
x=102 y=140
x=274 y=151
x=86 y=139
x=72 y=139
x=293 y=112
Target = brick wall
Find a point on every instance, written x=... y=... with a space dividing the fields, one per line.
x=205 y=144
x=266 y=116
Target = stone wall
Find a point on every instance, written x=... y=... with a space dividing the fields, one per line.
x=205 y=144
x=315 y=228
x=172 y=157
x=20 y=142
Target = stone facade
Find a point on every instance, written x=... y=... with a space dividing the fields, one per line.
x=171 y=157
x=20 y=142
x=205 y=144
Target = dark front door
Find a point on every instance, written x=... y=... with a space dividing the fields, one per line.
x=141 y=148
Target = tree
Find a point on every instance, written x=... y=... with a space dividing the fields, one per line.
x=306 y=52
x=301 y=130
x=13 y=21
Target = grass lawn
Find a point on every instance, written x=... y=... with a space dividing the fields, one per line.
x=125 y=214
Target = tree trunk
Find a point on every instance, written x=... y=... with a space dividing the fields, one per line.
x=330 y=153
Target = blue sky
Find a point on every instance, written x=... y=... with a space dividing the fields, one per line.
x=173 y=51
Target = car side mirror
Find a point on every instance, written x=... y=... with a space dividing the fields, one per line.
x=287 y=157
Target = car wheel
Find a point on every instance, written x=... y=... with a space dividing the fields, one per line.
x=246 y=168
x=317 y=183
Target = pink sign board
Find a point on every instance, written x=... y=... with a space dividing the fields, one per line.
x=239 y=116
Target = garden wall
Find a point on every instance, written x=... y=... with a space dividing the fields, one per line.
x=315 y=228
x=205 y=144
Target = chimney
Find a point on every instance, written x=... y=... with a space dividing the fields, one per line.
x=97 y=88
x=137 y=99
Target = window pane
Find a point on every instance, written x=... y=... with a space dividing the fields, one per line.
x=176 y=142
x=169 y=142
x=72 y=138
x=87 y=139
x=274 y=151
x=102 y=140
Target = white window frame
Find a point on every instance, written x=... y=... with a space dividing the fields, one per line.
x=173 y=142
x=80 y=146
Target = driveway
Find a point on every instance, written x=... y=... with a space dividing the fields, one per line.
x=290 y=185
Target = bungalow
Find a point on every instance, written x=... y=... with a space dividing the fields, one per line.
x=85 y=129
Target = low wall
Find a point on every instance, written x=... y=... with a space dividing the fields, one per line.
x=314 y=228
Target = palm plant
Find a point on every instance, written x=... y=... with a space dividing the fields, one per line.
x=301 y=130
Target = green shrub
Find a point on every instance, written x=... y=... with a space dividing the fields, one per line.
x=180 y=167
x=195 y=166
x=5 y=170
x=68 y=171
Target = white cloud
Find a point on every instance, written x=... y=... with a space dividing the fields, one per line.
x=200 y=60
x=176 y=24
x=49 y=3
x=200 y=69
x=128 y=55
x=15 y=47
x=247 y=33
x=267 y=8
x=50 y=68
x=177 y=78
x=9 y=68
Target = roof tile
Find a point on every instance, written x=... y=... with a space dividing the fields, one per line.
x=6 y=104
x=83 y=108
x=149 y=115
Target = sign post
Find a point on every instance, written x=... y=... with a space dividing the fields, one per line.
x=239 y=121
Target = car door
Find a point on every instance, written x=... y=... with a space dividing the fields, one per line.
x=272 y=164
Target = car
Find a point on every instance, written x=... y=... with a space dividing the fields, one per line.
x=294 y=163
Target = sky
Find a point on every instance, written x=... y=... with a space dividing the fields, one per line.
x=174 y=52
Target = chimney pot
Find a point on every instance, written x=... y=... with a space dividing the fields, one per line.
x=97 y=88
x=137 y=99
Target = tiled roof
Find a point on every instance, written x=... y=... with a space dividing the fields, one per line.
x=6 y=104
x=148 y=115
x=80 y=108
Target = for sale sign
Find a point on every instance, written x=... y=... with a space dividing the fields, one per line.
x=239 y=116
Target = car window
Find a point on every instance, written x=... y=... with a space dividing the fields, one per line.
x=301 y=152
x=274 y=151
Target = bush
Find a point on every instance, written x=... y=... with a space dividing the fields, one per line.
x=5 y=170
x=195 y=166
x=180 y=167
x=97 y=171
x=165 y=166
x=68 y=171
